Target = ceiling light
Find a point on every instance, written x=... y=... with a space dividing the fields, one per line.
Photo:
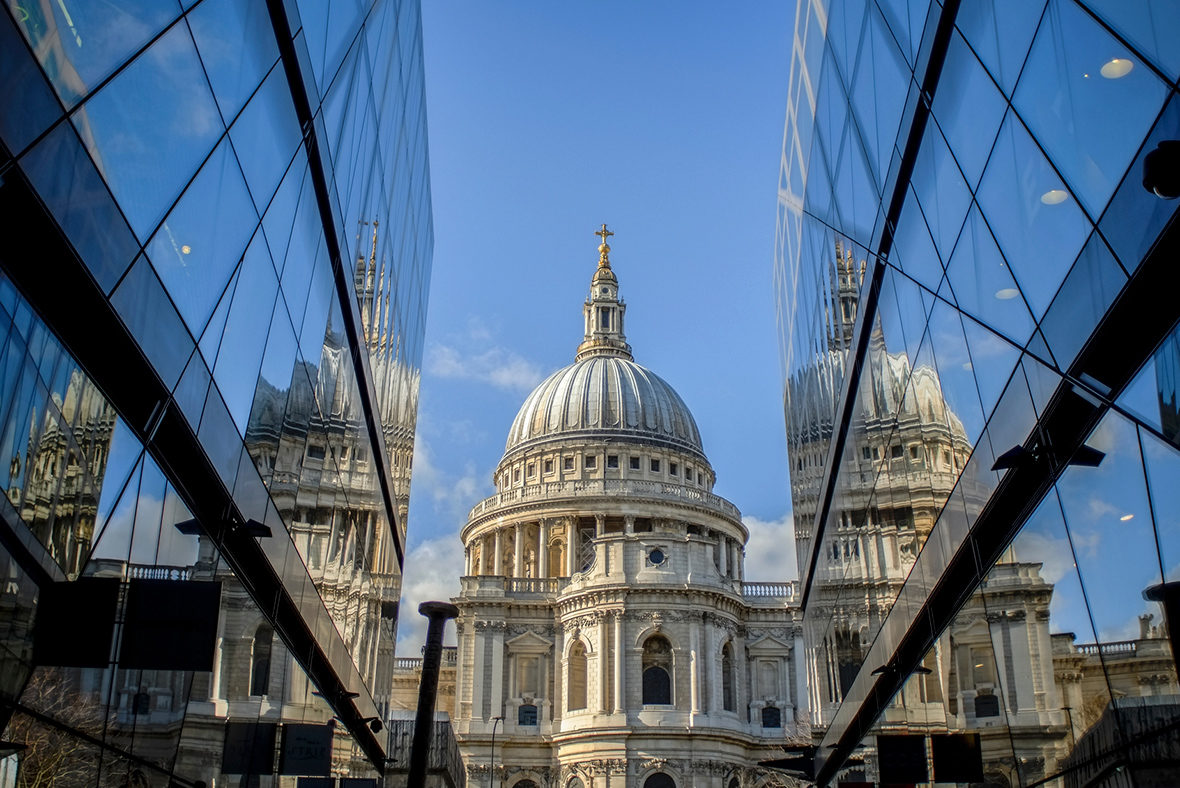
x=1054 y=196
x=186 y=248
x=1119 y=67
x=1126 y=517
x=1007 y=293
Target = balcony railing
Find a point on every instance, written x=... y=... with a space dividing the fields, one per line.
x=1125 y=648
x=146 y=572
x=450 y=659
x=770 y=590
x=622 y=488
x=534 y=585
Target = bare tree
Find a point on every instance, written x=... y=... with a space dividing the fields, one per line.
x=54 y=758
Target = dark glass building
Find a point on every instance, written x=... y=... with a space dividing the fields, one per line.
x=214 y=267
x=976 y=282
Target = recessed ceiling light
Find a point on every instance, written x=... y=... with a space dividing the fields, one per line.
x=1054 y=196
x=1119 y=67
x=1126 y=517
x=186 y=248
x=1007 y=293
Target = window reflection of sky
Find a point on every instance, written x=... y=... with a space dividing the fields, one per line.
x=152 y=125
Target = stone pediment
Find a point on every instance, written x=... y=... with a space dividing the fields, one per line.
x=529 y=642
x=768 y=644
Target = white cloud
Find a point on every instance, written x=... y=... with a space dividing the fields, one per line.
x=770 y=553
x=433 y=569
x=452 y=497
x=495 y=366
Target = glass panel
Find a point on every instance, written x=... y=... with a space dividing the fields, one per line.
x=913 y=250
x=941 y=191
x=1163 y=470
x=266 y=136
x=151 y=127
x=66 y=180
x=150 y=317
x=1038 y=226
x=1136 y=216
x=238 y=48
x=1089 y=290
x=236 y=368
x=878 y=95
x=23 y=86
x=1078 y=77
x=1152 y=26
x=1000 y=32
x=968 y=109
x=198 y=246
x=80 y=46
x=983 y=285
x=1109 y=520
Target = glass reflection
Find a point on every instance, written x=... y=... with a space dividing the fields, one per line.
x=1076 y=78
x=80 y=44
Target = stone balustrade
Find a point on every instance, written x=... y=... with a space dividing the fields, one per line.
x=450 y=659
x=594 y=488
x=756 y=590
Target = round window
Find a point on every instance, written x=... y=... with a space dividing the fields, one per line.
x=605 y=291
x=657 y=556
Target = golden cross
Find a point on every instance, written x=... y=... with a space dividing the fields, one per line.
x=604 y=233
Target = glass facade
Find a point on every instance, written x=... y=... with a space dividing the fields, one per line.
x=213 y=289
x=980 y=370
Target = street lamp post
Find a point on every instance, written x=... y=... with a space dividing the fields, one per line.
x=492 y=766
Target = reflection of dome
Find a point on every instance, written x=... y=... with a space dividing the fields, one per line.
x=606 y=393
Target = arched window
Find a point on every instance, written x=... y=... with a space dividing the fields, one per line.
x=260 y=673
x=577 y=677
x=525 y=784
x=575 y=782
x=727 y=700
x=659 y=780
x=657 y=671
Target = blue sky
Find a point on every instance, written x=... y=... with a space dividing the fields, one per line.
x=547 y=119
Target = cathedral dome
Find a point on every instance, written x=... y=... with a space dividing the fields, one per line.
x=606 y=394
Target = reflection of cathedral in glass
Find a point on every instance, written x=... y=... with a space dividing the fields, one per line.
x=209 y=380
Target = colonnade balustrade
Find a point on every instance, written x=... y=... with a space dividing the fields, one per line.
x=553 y=547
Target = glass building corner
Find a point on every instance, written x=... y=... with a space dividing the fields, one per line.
x=980 y=389
x=213 y=287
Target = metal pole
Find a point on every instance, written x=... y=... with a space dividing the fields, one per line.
x=492 y=765
x=438 y=613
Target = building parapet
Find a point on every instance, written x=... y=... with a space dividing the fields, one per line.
x=590 y=488
x=450 y=659
x=755 y=591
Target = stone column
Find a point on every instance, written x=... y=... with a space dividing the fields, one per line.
x=497 y=687
x=571 y=545
x=619 y=662
x=518 y=550
x=603 y=697
x=739 y=573
x=741 y=689
x=543 y=549
x=723 y=551
x=497 y=557
x=694 y=663
x=599 y=524
x=477 y=687
x=628 y=524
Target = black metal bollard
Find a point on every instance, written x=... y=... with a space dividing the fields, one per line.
x=438 y=613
